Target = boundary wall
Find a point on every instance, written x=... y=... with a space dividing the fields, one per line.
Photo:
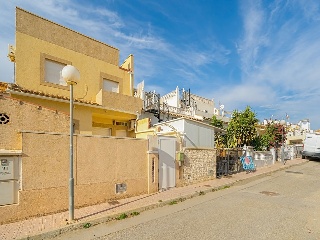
x=99 y=164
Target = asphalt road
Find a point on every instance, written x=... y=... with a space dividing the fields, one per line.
x=283 y=205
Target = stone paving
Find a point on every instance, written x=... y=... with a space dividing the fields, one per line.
x=55 y=224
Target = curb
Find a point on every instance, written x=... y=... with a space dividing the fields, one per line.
x=93 y=222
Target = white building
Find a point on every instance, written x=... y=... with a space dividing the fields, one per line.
x=184 y=103
x=190 y=133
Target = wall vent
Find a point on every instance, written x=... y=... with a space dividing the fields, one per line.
x=4 y=118
x=121 y=187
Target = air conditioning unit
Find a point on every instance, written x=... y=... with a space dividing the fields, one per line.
x=131 y=124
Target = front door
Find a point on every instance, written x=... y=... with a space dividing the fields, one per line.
x=167 y=166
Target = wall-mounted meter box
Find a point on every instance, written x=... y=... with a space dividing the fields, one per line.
x=9 y=192
x=9 y=168
x=9 y=179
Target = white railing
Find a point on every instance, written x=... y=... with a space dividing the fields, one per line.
x=171 y=109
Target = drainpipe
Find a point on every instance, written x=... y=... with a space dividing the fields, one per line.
x=131 y=75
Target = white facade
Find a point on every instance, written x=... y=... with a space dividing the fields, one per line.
x=171 y=98
x=193 y=134
x=178 y=104
x=304 y=125
x=194 y=106
x=295 y=133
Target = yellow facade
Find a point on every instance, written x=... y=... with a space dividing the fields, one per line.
x=39 y=41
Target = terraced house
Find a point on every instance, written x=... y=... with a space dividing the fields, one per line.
x=109 y=162
x=104 y=101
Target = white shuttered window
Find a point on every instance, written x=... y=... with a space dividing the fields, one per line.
x=110 y=86
x=53 y=72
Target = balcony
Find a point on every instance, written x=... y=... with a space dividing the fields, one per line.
x=119 y=102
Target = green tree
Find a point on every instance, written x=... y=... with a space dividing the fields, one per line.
x=220 y=138
x=242 y=128
x=216 y=122
x=273 y=136
x=279 y=135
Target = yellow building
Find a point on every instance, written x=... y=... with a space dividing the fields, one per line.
x=104 y=101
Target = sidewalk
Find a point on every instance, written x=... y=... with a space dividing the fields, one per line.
x=54 y=225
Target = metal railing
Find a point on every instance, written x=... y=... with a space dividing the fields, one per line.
x=228 y=162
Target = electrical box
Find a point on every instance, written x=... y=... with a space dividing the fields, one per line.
x=180 y=156
x=8 y=168
x=9 y=179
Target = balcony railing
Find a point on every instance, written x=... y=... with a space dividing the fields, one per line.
x=171 y=109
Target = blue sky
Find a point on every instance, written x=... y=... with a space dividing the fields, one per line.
x=265 y=54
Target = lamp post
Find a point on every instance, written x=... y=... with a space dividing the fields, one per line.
x=71 y=75
x=282 y=123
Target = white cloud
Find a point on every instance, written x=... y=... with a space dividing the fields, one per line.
x=280 y=62
x=131 y=37
x=254 y=34
x=279 y=52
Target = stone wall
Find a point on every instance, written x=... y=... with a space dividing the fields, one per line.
x=199 y=165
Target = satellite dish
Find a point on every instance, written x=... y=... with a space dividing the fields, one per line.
x=221 y=107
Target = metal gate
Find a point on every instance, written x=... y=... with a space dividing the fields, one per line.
x=167 y=166
x=228 y=161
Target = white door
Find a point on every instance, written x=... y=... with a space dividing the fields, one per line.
x=167 y=166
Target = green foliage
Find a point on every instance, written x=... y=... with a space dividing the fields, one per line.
x=122 y=216
x=220 y=139
x=173 y=202
x=87 y=225
x=134 y=213
x=277 y=134
x=273 y=136
x=242 y=131
x=242 y=128
x=261 y=143
x=216 y=122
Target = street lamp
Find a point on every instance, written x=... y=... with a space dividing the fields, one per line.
x=71 y=75
x=282 y=123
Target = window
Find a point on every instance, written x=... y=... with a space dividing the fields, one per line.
x=110 y=86
x=53 y=72
x=50 y=71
